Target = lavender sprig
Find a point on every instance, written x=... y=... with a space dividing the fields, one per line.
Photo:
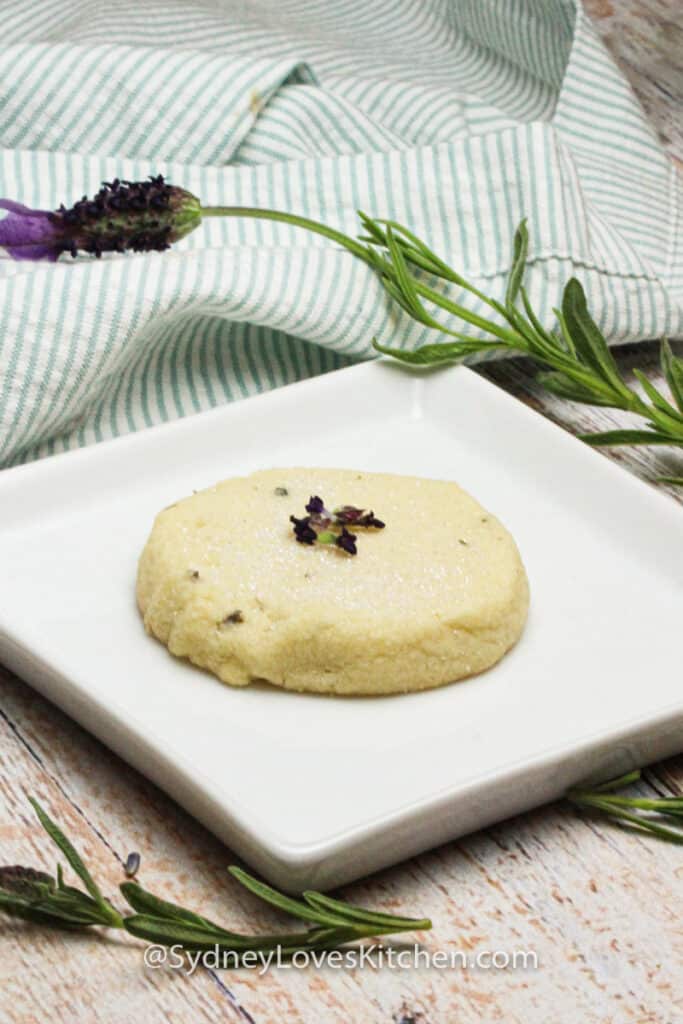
x=577 y=363
x=37 y=897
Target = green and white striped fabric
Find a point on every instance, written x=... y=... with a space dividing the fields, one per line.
x=457 y=117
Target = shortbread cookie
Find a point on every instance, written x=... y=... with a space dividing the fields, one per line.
x=437 y=593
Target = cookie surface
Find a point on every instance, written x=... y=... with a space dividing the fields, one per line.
x=439 y=594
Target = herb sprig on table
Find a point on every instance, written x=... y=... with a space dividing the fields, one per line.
x=43 y=899
x=661 y=812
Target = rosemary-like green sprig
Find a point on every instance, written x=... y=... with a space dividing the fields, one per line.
x=621 y=808
x=38 y=897
x=578 y=364
x=576 y=360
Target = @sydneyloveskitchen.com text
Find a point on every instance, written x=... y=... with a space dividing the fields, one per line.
x=375 y=957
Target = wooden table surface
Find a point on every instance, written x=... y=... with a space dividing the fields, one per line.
x=602 y=909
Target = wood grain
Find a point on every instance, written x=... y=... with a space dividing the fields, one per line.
x=602 y=908
x=645 y=37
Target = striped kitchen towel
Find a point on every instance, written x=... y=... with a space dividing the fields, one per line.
x=456 y=117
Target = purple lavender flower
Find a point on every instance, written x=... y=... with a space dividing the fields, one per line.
x=28 y=234
x=357 y=517
x=316 y=506
x=322 y=527
x=124 y=215
x=303 y=531
x=27 y=883
x=347 y=541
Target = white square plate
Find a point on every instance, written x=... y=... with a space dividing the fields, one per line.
x=318 y=790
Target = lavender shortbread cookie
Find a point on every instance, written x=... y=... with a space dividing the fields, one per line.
x=334 y=581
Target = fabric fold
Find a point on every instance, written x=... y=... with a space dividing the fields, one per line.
x=135 y=101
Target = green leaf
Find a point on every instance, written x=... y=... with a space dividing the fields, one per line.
x=405 y=290
x=675 y=481
x=565 y=336
x=604 y=799
x=520 y=248
x=110 y=915
x=394 y=273
x=14 y=906
x=438 y=354
x=673 y=371
x=564 y=387
x=147 y=903
x=398 y=283
x=640 y=822
x=367 y=917
x=282 y=902
x=24 y=889
x=549 y=340
x=671 y=806
x=170 y=933
x=405 y=281
x=611 y=784
x=398 y=296
x=658 y=400
x=27 y=883
x=648 y=825
x=53 y=905
x=74 y=859
x=613 y=437
x=375 y=233
x=587 y=337
x=83 y=912
x=413 y=248
x=380 y=264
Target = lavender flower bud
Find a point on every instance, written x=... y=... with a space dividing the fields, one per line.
x=139 y=216
x=27 y=883
x=322 y=526
x=357 y=517
x=347 y=541
x=303 y=531
x=132 y=865
x=316 y=506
